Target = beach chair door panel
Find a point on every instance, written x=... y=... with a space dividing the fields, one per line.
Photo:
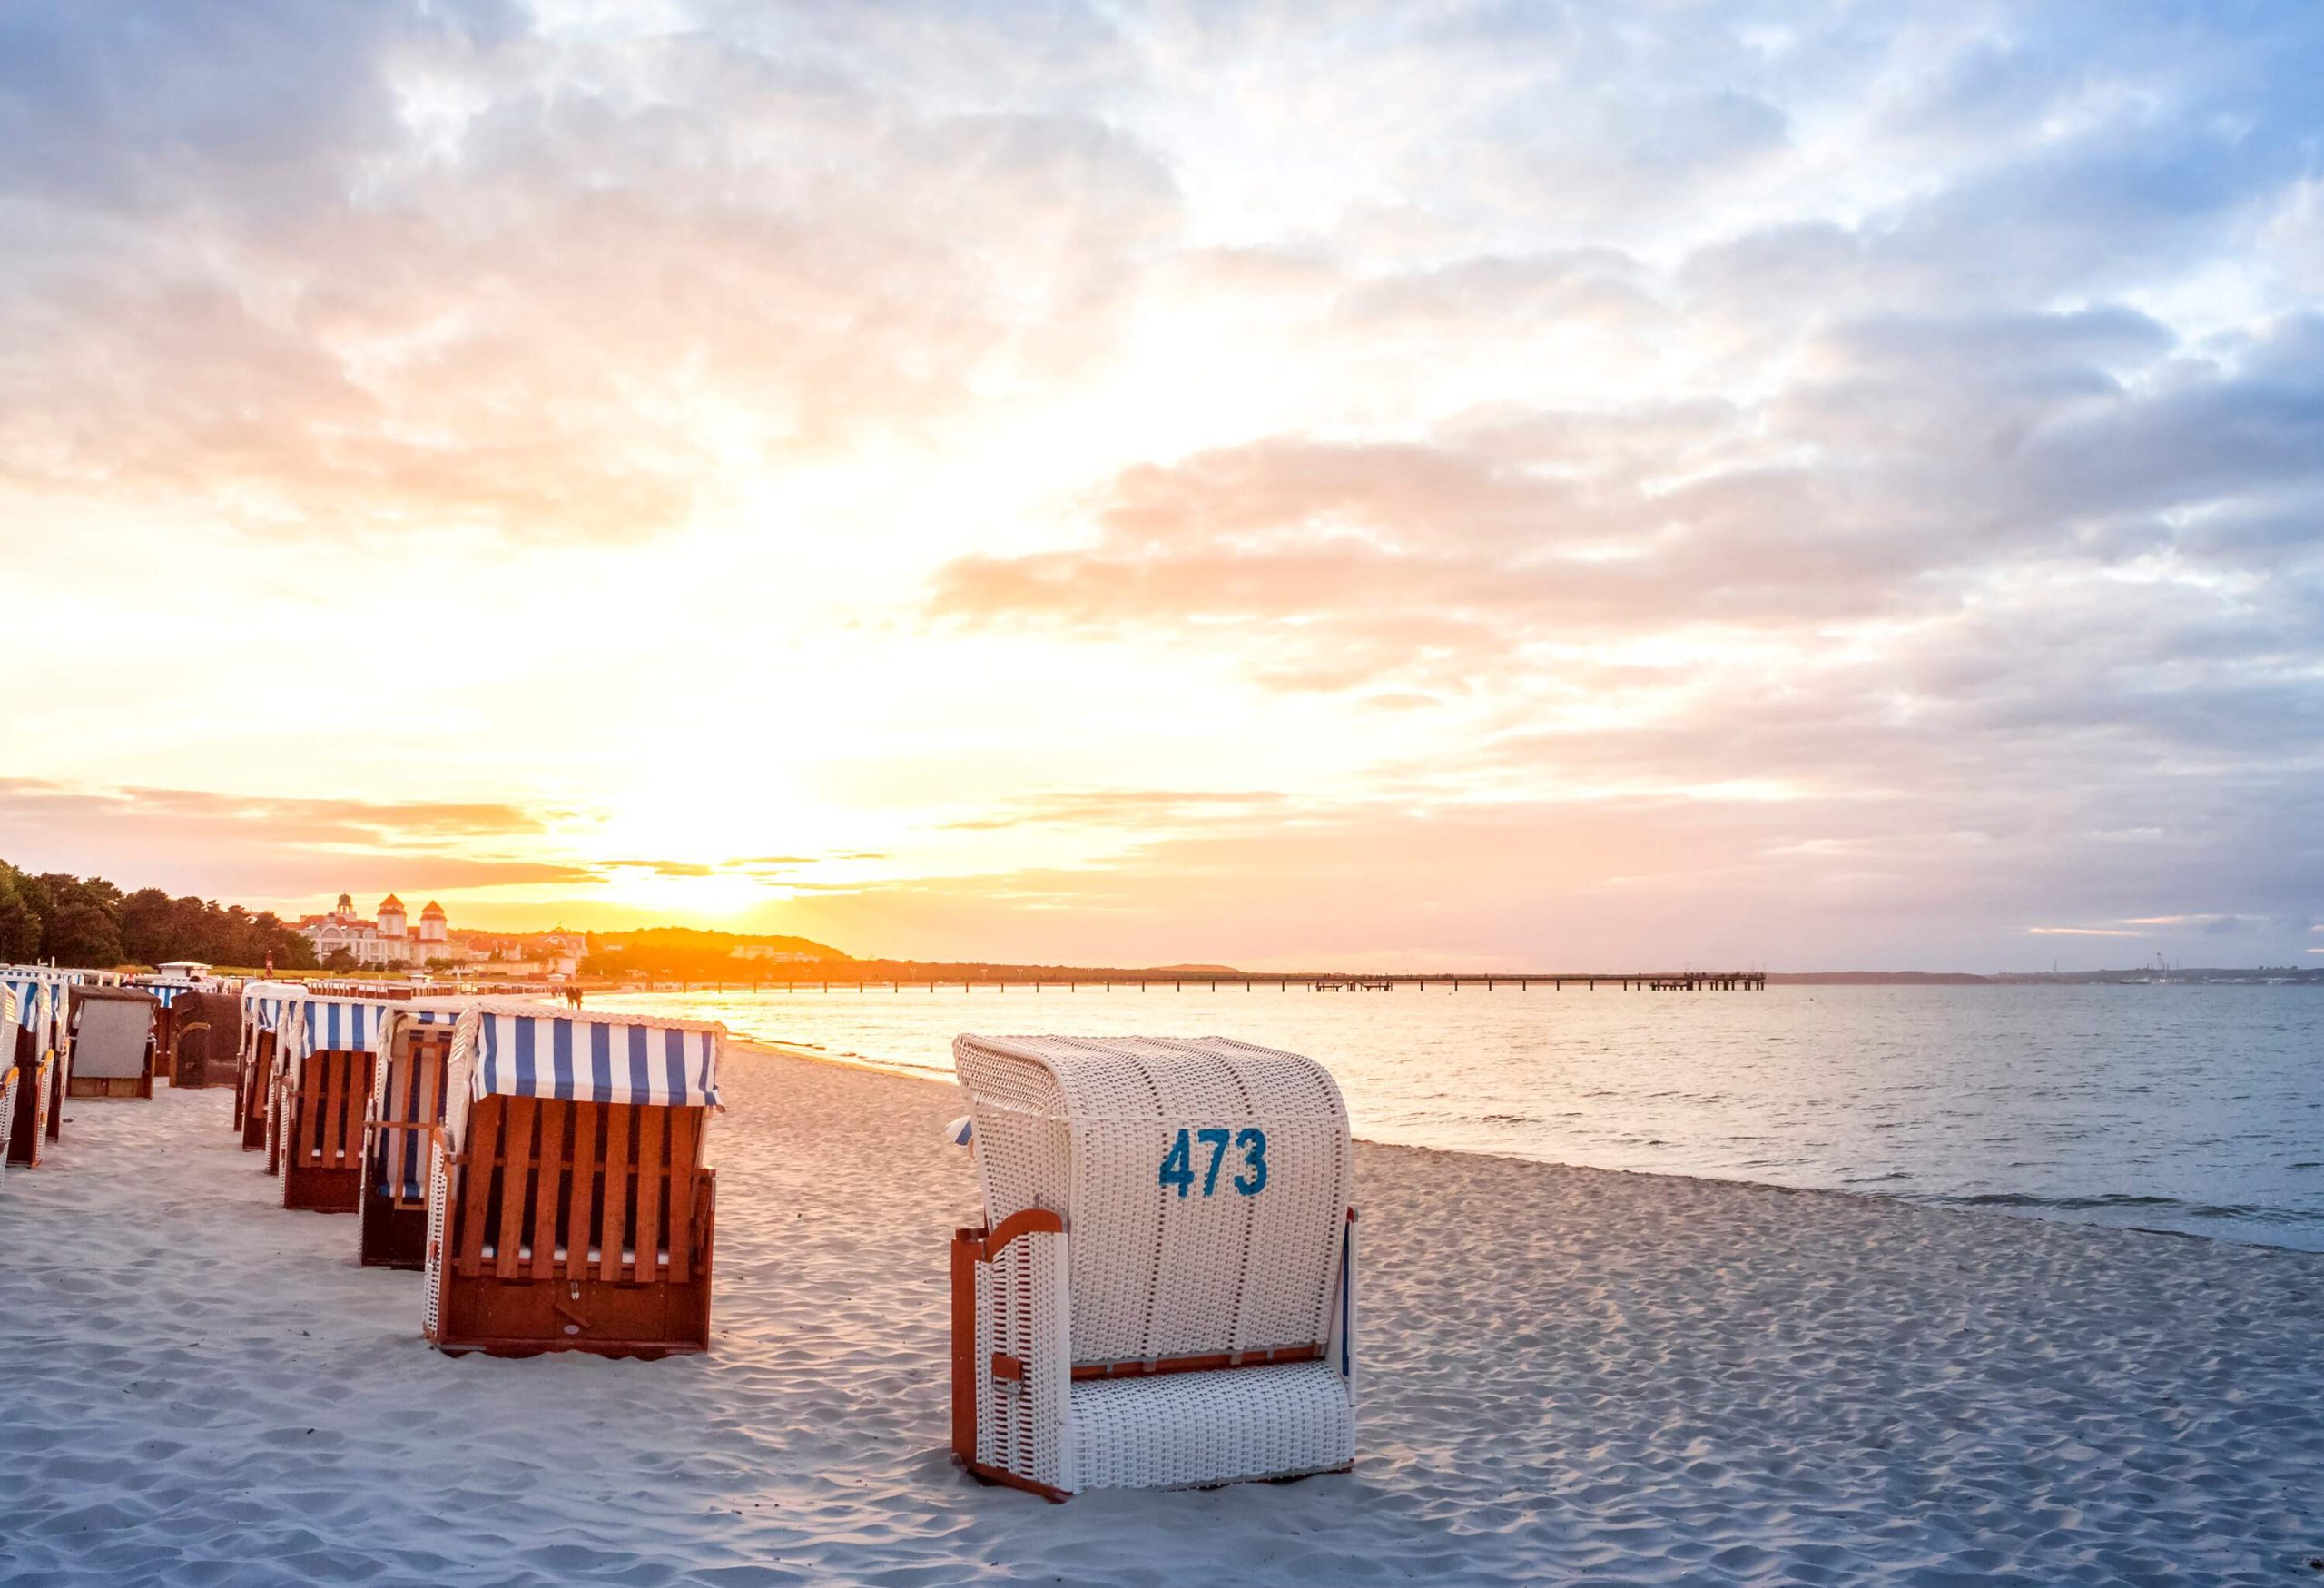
x=579 y=1226
x=322 y=1137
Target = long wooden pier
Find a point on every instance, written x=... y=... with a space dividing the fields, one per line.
x=1228 y=981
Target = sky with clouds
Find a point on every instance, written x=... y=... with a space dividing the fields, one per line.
x=1514 y=486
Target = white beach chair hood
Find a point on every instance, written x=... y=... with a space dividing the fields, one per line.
x=1193 y=1322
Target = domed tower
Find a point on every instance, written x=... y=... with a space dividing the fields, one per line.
x=346 y=910
x=431 y=923
x=392 y=916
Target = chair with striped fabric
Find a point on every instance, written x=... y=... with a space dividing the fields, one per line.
x=325 y=1051
x=9 y=1072
x=264 y=1006
x=1162 y=1295
x=406 y=1110
x=165 y=991
x=40 y=1001
x=62 y=983
x=569 y=1209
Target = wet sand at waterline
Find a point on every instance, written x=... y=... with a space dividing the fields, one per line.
x=1569 y=1375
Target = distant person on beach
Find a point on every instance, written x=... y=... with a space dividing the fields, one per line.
x=572 y=993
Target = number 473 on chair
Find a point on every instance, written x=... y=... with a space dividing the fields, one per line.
x=1250 y=1180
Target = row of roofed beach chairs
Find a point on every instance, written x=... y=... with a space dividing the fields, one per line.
x=90 y=1035
x=1161 y=1293
x=65 y=1033
x=543 y=1168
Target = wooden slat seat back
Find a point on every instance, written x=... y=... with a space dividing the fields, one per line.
x=321 y=1130
x=578 y=1226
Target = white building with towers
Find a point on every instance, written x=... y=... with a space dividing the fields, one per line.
x=385 y=938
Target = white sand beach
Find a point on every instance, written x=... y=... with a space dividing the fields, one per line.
x=1569 y=1376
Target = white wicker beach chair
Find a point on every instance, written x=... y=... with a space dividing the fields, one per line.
x=1163 y=1293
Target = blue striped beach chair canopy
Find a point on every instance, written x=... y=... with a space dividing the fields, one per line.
x=40 y=1000
x=264 y=1001
x=165 y=991
x=338 y=1024
x=335 y=1025
x=434 y=1011
x=536 y=1051
x=406 y=1092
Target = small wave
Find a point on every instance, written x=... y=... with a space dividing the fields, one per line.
x=2219 y=1212
x=2070 y=1204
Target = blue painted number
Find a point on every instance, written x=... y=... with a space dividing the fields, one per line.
x=1177 y=1166
x=1254 y=1143
x=1217 y=1141
x=1178 y=1163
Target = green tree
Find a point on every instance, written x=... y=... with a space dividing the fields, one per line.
x=87 y=921
x=83 y=923
x=23 y=905
x=148 y=928
x=83 y=935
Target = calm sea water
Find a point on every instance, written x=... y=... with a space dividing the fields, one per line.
x=2184 y=1107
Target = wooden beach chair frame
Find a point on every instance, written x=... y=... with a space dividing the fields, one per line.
x=10 y=1073
x=217 y=1016
x=165 y=1030
x=407 y=1109
x=571 y=1223
x=32 y=1034
x=165 y=993
x=266 y=1006
x=323 y=1101
x=254 y=1089
x=1175 y=1341
x=61 y=1035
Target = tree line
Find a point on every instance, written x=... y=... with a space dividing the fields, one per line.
x=87 y=922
